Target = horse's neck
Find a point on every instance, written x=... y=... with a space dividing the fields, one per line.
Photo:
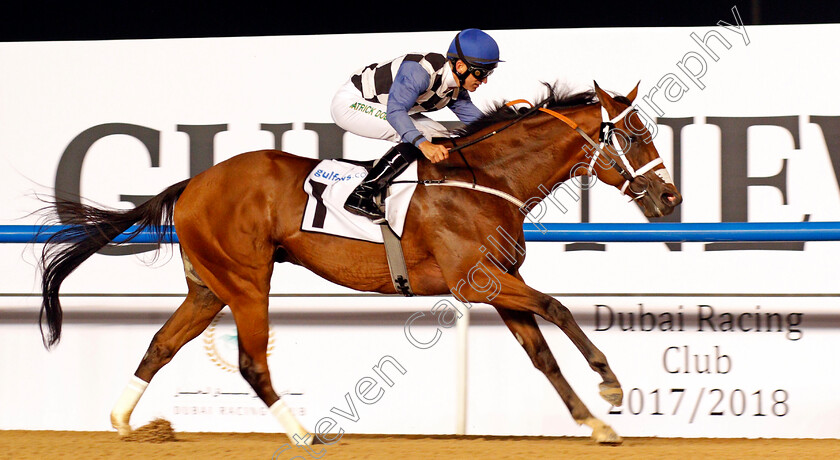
x=530 y=156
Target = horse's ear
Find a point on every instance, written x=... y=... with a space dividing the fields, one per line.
x=632 y=94
x=606 y=100
x=598 y=89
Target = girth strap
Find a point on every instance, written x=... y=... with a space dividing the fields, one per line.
x=394 y=253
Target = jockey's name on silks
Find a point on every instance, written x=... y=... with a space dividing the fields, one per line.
x=334 y=176
x=369 y=110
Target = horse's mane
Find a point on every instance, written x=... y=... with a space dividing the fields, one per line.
x=559 y=97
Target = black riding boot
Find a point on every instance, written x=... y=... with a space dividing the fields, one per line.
x=361 y=201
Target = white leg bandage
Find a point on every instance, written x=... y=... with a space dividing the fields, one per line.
x=284 y=415
x=126 y=403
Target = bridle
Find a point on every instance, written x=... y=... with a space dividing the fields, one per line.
x=606 y=136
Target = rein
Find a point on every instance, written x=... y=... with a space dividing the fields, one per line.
x=533 y=110
x=474 y=185
x=458 y=148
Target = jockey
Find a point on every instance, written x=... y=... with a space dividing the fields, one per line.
x=386 y=101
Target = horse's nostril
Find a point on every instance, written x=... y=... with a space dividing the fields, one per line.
x=670 y=199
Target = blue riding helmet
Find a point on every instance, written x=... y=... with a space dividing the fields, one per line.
x=476 y=47
x=478 y=51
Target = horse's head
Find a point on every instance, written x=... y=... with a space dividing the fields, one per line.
x=632 y=165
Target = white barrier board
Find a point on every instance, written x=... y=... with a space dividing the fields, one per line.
x=689 y=367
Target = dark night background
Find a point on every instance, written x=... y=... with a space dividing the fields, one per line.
x=69 y=20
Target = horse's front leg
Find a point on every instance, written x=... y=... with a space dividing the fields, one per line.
x=524 y=327
x=488 y=284
x=554 y=311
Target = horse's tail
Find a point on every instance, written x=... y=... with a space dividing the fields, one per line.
x=89 y=229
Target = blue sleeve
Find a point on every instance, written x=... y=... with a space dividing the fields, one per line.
x=464 y=108
x=411 y=81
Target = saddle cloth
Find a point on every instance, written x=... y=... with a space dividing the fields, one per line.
x=330 y=183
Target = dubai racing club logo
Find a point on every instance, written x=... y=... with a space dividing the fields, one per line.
x=222 y=345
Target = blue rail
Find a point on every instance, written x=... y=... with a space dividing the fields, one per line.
x=40 y=234
x=574 y=232
x=685 y=232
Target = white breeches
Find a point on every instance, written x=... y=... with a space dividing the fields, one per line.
x=353 y=113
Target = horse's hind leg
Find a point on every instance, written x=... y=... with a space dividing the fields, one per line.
x=188 y=321
x=524 y=327
x=251 y=316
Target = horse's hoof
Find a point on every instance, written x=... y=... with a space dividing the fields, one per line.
x=611 y=394
x=606 y=435
x=303 y=438
x=601 y=432
x=122 y=426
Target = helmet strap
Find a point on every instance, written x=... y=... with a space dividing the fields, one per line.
x=462 y=76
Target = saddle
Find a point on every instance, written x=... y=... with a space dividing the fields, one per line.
x=328 y=186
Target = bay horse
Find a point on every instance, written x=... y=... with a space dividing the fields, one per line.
x=235 y=220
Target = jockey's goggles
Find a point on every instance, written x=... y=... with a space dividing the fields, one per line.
x=479 y=72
